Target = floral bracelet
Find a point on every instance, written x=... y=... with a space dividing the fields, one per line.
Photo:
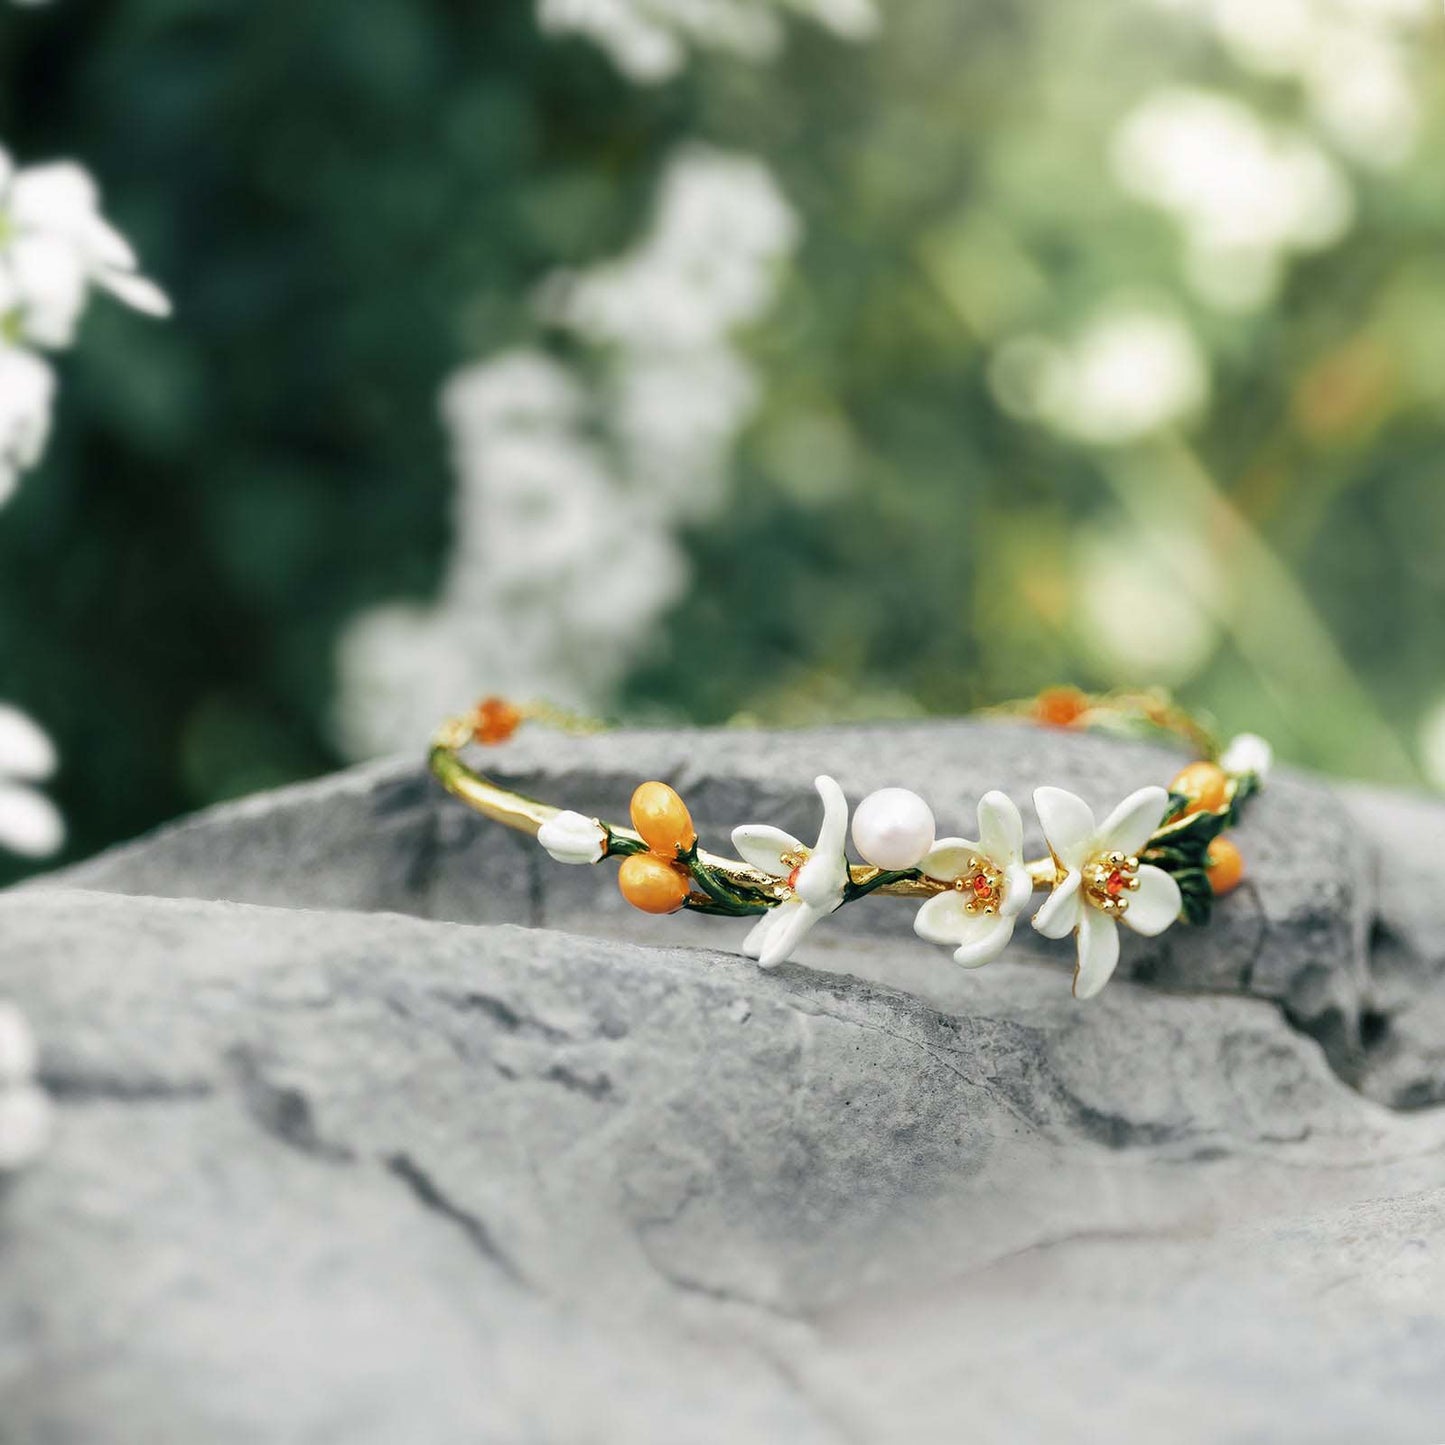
x=1157 y=857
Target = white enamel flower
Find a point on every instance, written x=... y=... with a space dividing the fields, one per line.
x=1248 y=753
x=814 y=878
x=55 y=245
x=1101 y=881
x=990 y=888
x=29 y=822
x=573 y=838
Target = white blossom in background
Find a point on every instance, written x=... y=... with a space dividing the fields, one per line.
x=1352 y=59
x=571 y=492
x=27 y=394
x=1132 y=372
x=648 y=40
x=1169 y=585
x=1246 y=195
x=665 y=314
x=556 y=575
x=29 y=822
x=55 y=248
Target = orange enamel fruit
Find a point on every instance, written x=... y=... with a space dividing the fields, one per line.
x=495 y=720
x=1206 y=785
x=652 y=885
x=1225 y=865
x=662 y=819
x=1060 y=707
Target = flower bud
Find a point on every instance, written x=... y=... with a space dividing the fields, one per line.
x=1248 y=753
x=572 y=838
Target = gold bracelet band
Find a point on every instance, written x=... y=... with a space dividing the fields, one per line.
x=1159 y=856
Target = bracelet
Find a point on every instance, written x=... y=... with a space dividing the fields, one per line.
x=1158 y=857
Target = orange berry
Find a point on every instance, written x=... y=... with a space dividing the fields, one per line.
x=495 y=720
x=662 y=819
x=1206 y=785
x=652 y=885
x=1225 y=866
x=1060 y=707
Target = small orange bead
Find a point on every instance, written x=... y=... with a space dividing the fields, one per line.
x=1060 y=707
x=1225 y=866
x=662 y=819
x=1206 y=785
x=495 y=720
x=652 y=885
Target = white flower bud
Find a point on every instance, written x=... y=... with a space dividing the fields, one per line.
x=572 y=838
x=1248 y=753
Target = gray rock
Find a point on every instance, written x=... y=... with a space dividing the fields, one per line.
x=326 y=1174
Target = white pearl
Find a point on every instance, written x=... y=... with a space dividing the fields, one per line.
x=893 y=828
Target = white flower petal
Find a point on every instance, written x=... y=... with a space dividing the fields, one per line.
x=29 y=822
x=1059 y=915
x=948 y=859
x=1018 y=890
x=942 y=919
x=105 y=247
x=765 y=847
x=989 y=940
x=1155 y=904
x=60 y=196
x=820 y=881
x=1068 y=824
x=979 y=937
x=51 y=279
x=793 y=923
x=1000 y=828
x=137 y=291
x=833 y=835
x=1129 y=827
x=1098 y=952
x=25 y=752
x=757 y=938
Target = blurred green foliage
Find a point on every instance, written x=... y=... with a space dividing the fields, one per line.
x=348 y=201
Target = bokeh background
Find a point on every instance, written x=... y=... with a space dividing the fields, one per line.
x=689 y=361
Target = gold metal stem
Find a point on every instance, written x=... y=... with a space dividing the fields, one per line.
x=526 y=815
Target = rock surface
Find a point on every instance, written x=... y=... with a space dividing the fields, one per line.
x=326 y=1174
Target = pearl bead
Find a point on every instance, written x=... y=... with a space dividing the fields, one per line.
x=893 y=828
